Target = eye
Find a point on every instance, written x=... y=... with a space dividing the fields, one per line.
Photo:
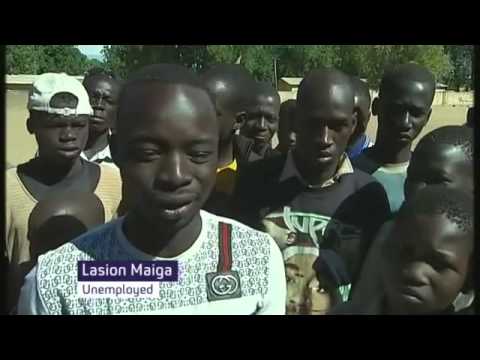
x=200 y=157
x=416 y=112
x=439 y=179
x=145 y=155
x=438 y=263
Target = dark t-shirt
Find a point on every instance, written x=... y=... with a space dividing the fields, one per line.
x=343 y=217
x=220 y=202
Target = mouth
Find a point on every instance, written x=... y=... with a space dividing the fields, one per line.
x=261 y=137
x=97 y=120
x=69 y=149
x=173 y=211
x=410 y=294
x=404 y=136
x=323 y=156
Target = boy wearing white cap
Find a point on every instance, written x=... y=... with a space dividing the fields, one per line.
x=59 y=118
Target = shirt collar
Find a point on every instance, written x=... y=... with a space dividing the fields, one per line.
x=290 y=170
x=231 y=166
x=101 y=155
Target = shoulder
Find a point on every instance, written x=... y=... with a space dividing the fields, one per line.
x=11 y=175
x=109 y=171
x=241 y=232
x=363 y=178
x=110 y=181
x=265 y=167
x=365 y=163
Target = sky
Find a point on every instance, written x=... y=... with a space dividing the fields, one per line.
x=90 y=50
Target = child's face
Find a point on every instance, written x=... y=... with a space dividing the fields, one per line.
x=427 y=262
x=324 y=125
x=60 y=139
x=103 y=93
x=439 y=165
x=286 y=134
x=262 y=119
x=168 y=152
x=403 y=111
x=305 y=294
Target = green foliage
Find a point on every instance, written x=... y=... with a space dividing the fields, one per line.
x=449 y=63
x=460 y=74
x=38 y=59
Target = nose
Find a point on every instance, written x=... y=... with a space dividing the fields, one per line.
x=261 y=123
x=67 y=134
x=292 y=137
x=324 y=139
x=173 y=174
x=97 y=101
x=415 y=274
x=405 y=122
x=296 y=303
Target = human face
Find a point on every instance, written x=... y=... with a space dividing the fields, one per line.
x=427 y=262
x=440 y=164
x=262 y=119
x=60 y=139
x=168 y=152
x=103 y=93
x=286 y=134
x=324 y=125
x=402 y=112
x=306 y=293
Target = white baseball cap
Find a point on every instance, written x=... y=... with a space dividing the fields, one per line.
x=50 y=84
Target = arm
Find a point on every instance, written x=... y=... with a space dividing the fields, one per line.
x=30 y=302
x=274 y=300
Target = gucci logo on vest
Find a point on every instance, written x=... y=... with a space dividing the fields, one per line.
x=224 y=284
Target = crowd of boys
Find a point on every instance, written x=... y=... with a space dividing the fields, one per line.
x=169 y=164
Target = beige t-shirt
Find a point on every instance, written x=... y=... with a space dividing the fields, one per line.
x=19 y=205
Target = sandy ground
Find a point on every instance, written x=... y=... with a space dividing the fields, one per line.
x=21 y=145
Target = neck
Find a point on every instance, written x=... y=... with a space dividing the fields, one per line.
x=386 y=154
x=259 y=147
x=225 y=155
x=315 y=175
x=159 y=242
x=53 y=174
x=96 y=142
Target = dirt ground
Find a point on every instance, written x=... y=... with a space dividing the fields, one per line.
x=21 y=145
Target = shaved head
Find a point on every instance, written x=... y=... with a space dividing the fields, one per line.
x=324 y=122
x=398 y=77
x=61 y=218
x=324 y=86
x=230 y=84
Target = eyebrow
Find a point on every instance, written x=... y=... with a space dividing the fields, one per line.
x=152 y=140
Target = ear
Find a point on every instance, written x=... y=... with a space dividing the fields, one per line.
x=240 y=119
x=375 y=106
x=429 y=114
x=354 y=122
x=30 y=125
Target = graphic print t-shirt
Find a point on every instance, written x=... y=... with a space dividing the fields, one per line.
x=51 y=287
x=341 y=216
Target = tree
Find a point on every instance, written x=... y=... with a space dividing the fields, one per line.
x=22 y=59
x=38 y=59
x=461 y=71
x=366 y=61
